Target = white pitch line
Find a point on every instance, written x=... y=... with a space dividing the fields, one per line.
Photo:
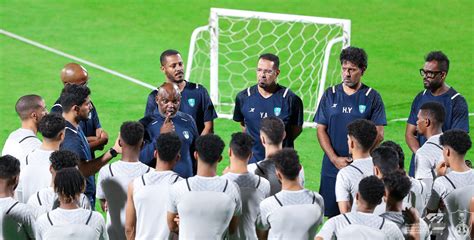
x=91 y=64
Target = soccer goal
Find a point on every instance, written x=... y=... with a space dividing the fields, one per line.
x=223 y=55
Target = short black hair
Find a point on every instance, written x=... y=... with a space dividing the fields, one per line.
x=398 y=185
x=364 y=131
x=51 y=125
x=166 y=53
x=73 y=94
x=457 y=139
x=209 y=148
x=26 y=105
x=241 y=145
x=441 y=58
x=434 y=111
x=168 y=146
x=386 y=159
x=371 y=189
x=132 y=133
x=287 y=162
x=9 y=167
x=395 y=146
x=271 y=57
x=63 y=159
x=274 y=129
x=354 y=55
x=68 y=183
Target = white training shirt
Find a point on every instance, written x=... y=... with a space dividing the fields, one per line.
x=334 y=226
x=348 y=179
x=205 y=206
x=417 y=197
x=16 y=220
x=150 y=198
x=427 y=157
x=71 y=224
x=19 y=143
x=397 y=218
x=253 y=189
x=444 y=185
x=266 y=168
x=35 y=175
x=292 y=214
x=43 y=201
x=112 y=185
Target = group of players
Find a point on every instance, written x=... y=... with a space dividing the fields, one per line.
x=166 y=183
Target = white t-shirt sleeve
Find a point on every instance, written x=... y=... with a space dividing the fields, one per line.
x=172 y=200
x=101 y=228
x=102 y=175
x=342 y=189
x=262 y=220
x=327 y=230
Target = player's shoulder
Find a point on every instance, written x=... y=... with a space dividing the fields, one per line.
x=286 y=92
x=96 y=217
x=153 y=93
x=457 y=98
x=369 y=91
x=195 y=87
x=247 y=92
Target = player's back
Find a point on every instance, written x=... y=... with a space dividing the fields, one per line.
x=46 y=200
x=292 y=214
x=194 y=198
x=403 y=225
x=339 y=225
x=71 y=224
x=266 y=169
x=35 y=175
x=150 y=196
x=112 y=186
x=16 y=219
x=253 y=189
x=19 y=143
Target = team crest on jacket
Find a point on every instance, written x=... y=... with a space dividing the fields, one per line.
x=192 y=102
x=186 y=134
x=362 y=108
x=277 y=111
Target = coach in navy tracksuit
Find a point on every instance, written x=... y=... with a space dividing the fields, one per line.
x=265 y=99
x=195 y=100
x=169 y=119
x=340 y=105
x=434 y=74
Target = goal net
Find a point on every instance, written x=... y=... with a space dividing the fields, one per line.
x=223 y=55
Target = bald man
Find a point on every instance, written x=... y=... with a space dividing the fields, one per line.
x=73 y=73
x=170 y=119
x=31 y=109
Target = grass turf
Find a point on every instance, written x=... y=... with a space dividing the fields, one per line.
x=128 y=36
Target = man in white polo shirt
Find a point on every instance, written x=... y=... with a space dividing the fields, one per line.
x=31 y=109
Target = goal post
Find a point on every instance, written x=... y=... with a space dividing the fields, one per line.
x=223 y=55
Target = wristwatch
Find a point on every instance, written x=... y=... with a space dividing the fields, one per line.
x=113 y=152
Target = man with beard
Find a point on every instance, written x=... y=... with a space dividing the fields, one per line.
x=195 y=100
x=265 y=99
x=76 y=106
x=97 y=137
x=169 y=119
x=340 y=105
x=434 y=74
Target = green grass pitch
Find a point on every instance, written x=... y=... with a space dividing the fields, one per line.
x=128 y=36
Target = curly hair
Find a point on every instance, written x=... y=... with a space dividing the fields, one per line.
x=371 y=189
x=9 y=167
x=167 y=145
x=51 y=125
x=209 y=148
x=364 y=131
x=287 y=162
x=132 y=133
x=397 y=184
x=441 y=58
x=68 y=183
x=63 y=159
x=457 y=139
x=354 y=55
